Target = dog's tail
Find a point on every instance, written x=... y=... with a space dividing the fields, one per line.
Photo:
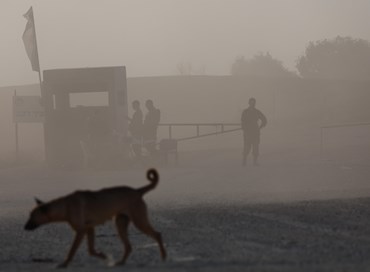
x=153 y=176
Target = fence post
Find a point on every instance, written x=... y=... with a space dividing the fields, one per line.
x=16 y=130
x=321 y=141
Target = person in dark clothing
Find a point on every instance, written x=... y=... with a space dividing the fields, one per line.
x=252 y=122
x=151 y=122
x=136 y=128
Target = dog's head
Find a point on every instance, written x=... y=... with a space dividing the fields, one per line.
x=38 y=216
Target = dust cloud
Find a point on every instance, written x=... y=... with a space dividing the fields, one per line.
x=254 y=113
x=297 y=155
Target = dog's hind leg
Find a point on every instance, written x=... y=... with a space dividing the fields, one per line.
x=91 y=244
x=76 y=243
x=122 y=222
x=140 y=219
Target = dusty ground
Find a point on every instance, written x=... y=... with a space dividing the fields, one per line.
x=293 y=213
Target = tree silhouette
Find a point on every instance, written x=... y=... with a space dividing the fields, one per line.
x=263 y=65
x=339 y=58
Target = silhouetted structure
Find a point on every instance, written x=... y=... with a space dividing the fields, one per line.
x=76 y=134
x=98 y=133
x=251 y=130
x=136 y=128
x=151 y=122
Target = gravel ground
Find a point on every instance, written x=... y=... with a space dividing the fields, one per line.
x=329 y=235
x=287 y=215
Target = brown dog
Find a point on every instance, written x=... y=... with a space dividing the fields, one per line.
x=83 y=210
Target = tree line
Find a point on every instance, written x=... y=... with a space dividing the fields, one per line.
x=338 y=58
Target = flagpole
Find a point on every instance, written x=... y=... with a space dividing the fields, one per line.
x=40 y=81
x=40 y=78
x=41 y=89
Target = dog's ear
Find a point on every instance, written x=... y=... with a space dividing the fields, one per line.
x=38 y=201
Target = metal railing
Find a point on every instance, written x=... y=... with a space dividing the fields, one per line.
x=221 y=128
x=323 y=127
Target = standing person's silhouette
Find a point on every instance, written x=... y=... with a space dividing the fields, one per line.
x=136 y=128
x=252 y=122
x=151 y=122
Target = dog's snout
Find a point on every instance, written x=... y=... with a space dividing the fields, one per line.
x=30 y=226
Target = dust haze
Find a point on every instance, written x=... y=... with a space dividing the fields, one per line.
x=306 y=64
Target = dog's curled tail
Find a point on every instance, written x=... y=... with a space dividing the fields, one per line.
x=153 y=176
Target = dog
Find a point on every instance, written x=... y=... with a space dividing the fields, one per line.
x=83 y=210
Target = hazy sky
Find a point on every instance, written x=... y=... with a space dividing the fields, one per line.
x=150 y=37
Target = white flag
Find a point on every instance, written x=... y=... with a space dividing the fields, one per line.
x=29 y=40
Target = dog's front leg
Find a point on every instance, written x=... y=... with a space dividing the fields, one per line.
x=76 y=243
x=91 y=244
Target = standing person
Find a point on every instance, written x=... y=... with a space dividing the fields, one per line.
x=252 y=122
x=151 y=122
x=136 y=128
